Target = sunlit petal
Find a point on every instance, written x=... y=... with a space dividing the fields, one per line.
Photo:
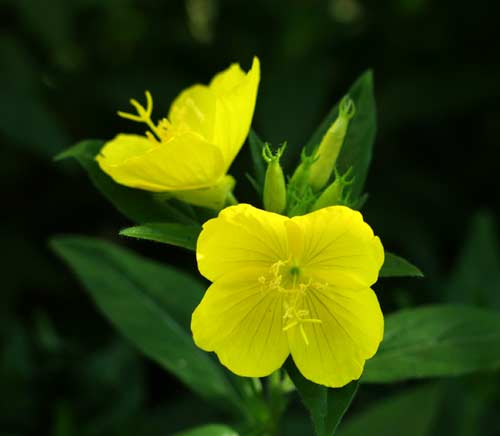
x=243 y=325
x=236 y=96
x=186 y=161
x=350 y=332
x=242 y=236
x=338 y=247
x=194 y=109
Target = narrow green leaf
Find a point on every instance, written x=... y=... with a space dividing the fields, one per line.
x=147 y=302
x=256 y=146
x=209 y=430
x=138 y=205
x=436 y=341
x=180 y=235
x=411 y=413
x=395 y=266
x=357 y=149
x=326 y=406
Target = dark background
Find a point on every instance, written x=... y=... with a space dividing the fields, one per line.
x=67 y=66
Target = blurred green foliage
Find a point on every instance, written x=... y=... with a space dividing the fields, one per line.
x=67 y=66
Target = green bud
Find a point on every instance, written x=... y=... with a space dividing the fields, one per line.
x=300 y=196
x=300 y=178
x=329 y=148
x=334 y=194
x=274 y=184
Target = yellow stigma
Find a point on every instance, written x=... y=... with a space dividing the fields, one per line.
x=286 y=277
x=144 y=116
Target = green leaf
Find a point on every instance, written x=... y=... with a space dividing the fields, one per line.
x=395 y=266
x=468 y=404
x=326 y=406
x=476 y=277
x=180 y=235
x=357 y=149
x=411 y=413
x=256 y=146
x=147 y=302
x=436 y=341
x=209 y=430
x=138 y=205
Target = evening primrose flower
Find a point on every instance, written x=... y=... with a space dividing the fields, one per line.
x=188 y=153
x=282 y=286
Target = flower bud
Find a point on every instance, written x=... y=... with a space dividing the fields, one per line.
x=329 y=148
x=334 y=194
x=299 y=182
x=300 y=195
x=274 y=184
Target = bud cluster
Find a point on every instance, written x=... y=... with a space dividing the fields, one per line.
x=308 y=189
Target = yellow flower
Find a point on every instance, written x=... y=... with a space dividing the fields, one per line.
x=298 y=286
x=189 y=153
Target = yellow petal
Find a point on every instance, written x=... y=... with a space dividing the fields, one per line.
x=194 y=109
x=350 y=332
x=186 y=161
x=336 y=246
x=243 y=324
x=236 y=96
x=220 y=112
x=241 y=236
x=213 y=197
x=225 y=81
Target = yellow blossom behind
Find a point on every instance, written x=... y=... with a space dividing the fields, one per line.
x=189 y=153
x=282 y=286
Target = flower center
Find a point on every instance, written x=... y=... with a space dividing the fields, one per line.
x=286 y=277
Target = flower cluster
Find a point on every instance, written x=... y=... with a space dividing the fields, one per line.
x=294 y=279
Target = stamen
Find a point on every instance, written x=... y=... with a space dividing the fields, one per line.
x=151 y=137
x=164 y=129
x=298 y=319
x=303 y=333
x=131 y=117
x=289 y=326
x=149 y=103
x=285 y=278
